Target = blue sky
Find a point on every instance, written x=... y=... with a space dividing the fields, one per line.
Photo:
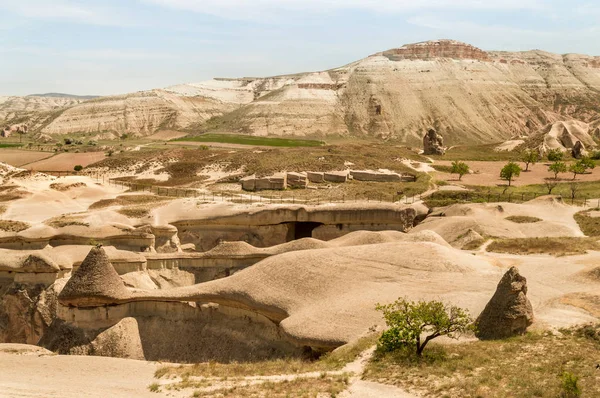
x=118 y=46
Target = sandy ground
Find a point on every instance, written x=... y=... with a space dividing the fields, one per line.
x=166 y=135
x=66 y=161
x=488 y=174
x=35 y=373
x=17 y=157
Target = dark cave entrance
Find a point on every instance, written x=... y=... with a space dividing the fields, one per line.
x=299 y=230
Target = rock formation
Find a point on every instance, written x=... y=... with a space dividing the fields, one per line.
x=509 y=312
x=94 y=281
x=475 y=96
x=433 y=143
x=577 y=151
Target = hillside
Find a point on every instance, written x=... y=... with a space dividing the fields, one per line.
x=467 y=94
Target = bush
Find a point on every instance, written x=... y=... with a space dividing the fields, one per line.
x=78 y=167
x=68 y=141
x=460 y=168
x=569 y=386
x=407 y=320
x=555 y=155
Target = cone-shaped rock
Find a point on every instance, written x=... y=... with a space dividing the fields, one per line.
x=509 y=312
x=94 y=283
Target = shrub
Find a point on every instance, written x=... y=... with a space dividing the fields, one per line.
x=460 y=168
x=68 y=141
x=555 y=155
x=569 y=386
x=407 y=320
x=78 y=167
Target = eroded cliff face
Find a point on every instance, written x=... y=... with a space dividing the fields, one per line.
x=468 y=95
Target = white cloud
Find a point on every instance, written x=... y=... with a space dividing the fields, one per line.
x=266 y=9
x=68 y=10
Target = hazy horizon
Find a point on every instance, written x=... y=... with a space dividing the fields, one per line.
x=81 y=47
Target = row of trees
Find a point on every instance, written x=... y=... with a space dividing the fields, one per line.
x=512 y=170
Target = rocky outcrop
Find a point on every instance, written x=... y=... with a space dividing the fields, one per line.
x=578 y=150
x=436 y=49
x=94 y=281
x=274 y=182
x=297 y=180
x=509 y=312
x=433 y=143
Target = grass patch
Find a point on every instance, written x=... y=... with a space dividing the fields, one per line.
x=125 y=200
x=563 y=246
x=66 y=221
x=251 y=140
x=13 y=226
x=154 y=387
x=477 y=152
x=326 y=385
x=590 y=226
x=442 y=168
x=334 y=360
x=135 y=211
x=526 y=366
x=523 y=219
x=474 y=244
x=10 y=145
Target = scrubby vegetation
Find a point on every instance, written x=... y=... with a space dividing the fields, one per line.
x=13 y=226
x=533 y=365
x=523 y=219
x=589 y=225
x=562 y=246
x=251 y=140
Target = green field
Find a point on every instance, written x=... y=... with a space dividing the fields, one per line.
x=250 y=140
x=9 y=145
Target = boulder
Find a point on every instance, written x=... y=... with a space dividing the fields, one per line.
x=509 y=312
x=578 y=150
x=253 y=183
x=433 y=143
x=248 y=183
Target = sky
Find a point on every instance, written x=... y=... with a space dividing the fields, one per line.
x=104 y=47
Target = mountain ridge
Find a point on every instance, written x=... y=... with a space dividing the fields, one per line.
x=467 y=94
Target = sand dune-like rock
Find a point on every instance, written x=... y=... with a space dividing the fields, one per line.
x=326 y=297
x=490 y=220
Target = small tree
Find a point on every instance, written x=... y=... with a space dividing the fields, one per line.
x=78 y=167
x=577 y=168
x=555 y=155
x=510 y=171
x=408 y=320
x=573 y=187
x=550 y=184
x=530 y=156
x=557 y=167
x=587 y=162
x=460 y=168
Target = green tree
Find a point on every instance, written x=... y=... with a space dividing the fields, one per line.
x=510 y=171
x=78 y=167
x=555 y=155
x=460 y=168
x=557 y=167
x=528 y=157
x=581 y=166
x=408 y=320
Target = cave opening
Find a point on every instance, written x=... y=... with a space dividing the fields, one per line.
x=301 y=229
x=378 y=109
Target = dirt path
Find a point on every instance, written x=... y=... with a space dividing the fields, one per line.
x=29 y=371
